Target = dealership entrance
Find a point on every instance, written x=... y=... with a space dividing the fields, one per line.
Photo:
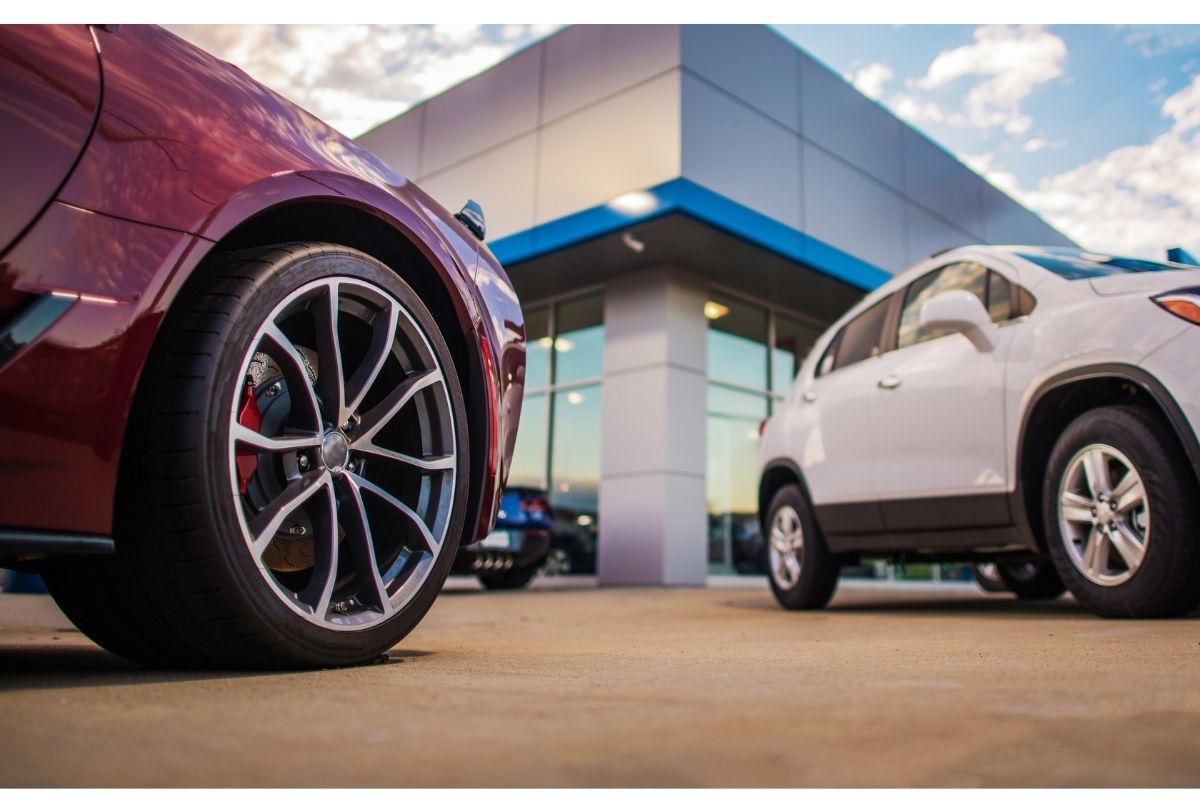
x=649 y=372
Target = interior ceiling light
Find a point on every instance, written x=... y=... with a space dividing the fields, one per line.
x=714 y=310
x=563 y=345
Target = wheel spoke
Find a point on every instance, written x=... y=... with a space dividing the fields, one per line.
x=330 y=386
x=1095 y=467
x=1130 y=548
x=1095 y=556
x=264 y=526
x=432 y=544
x=425 y=464
x=253 y=440
x=295 y=372
x=362 y=544
x=1076 y=508
x=376 y=418
x=319 y=592
x=1128 y=493
x=382 y=337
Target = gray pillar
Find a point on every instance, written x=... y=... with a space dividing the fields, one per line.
x=653 y=520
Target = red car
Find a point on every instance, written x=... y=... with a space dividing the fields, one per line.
x=256 y=388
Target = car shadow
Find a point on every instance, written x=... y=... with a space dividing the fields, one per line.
x=898 y=605
x=46 y=666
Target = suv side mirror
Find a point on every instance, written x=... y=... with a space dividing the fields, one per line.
x=960 y=312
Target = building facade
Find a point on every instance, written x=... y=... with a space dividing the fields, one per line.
x=682 y=209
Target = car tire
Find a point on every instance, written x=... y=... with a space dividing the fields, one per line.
x=987 y=575
x=558 y=562
x=802 y=572
x=509 y=579
x=235 y=546
x=1031 y=581
x=1122 y=515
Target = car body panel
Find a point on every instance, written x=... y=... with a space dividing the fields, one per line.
x=187 y=149
x=49 y=97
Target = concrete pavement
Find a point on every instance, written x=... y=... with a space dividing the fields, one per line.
x=573 y=686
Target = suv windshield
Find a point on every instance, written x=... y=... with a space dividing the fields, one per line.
x=1076 y=264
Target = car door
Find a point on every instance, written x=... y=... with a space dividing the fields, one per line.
x=938 y=408
x=836 y=446
x=49 y=98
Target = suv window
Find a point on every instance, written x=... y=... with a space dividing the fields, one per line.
x=858 y=340
x=1003 y=299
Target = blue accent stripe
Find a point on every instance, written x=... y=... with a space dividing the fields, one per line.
x=684 y=196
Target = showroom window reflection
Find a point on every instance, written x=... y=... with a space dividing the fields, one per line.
x=558 y=443
x=754 y=353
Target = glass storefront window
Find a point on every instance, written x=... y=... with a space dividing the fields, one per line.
x=579 y=340
x=558 y=443
x=793 y=340
x=732 y=478
x=737 y=342
x=537 y=349
x=529 y=456
x=575 y=452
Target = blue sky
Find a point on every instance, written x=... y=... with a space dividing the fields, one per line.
x=1109 y=93
x=1095 y=127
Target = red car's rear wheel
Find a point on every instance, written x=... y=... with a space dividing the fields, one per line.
x=295 y=476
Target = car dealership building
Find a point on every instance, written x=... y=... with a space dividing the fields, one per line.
x=683 y=210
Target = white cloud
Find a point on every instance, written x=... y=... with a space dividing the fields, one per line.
x=1011 y=61
x=1184 y=106
x=1037 y=143
x=916 y=110
x=985 y=165
x=1138 y=199
x=871 y=79
x=356 y=76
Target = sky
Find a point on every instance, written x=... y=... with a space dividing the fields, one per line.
x=1096 y=128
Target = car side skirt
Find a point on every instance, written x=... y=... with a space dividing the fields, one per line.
x=41 y=543
x=952 y=524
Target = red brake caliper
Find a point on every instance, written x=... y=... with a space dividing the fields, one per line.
x=251 y=417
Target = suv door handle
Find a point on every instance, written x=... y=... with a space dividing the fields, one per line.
x=889 y=382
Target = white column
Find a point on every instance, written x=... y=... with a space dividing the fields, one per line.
x=653 y=521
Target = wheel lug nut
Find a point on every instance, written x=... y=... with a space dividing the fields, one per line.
x=302 y=460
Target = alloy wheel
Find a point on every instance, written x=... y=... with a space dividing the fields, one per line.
x=342 y=453
x=1104 y=515
x=786 y=553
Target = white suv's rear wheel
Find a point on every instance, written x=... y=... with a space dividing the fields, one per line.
x=1122 y=515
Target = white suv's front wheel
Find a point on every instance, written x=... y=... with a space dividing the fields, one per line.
x=1122 y=515
x=802 y=571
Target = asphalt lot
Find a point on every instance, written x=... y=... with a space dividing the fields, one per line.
x=566 y=685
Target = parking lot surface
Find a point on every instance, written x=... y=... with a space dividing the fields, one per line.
x=567 y=685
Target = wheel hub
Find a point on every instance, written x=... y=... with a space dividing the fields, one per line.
x=335 y=451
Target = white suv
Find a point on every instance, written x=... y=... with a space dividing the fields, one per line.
x=1033 y=407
